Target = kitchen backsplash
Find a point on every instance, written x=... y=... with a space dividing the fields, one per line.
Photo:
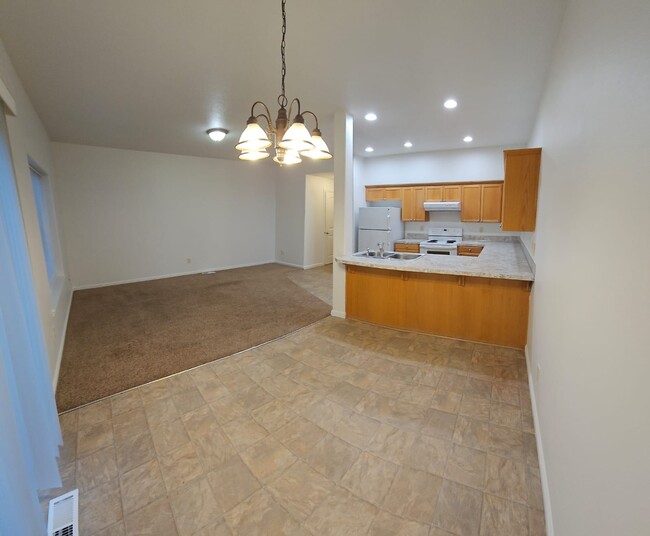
x=414 y=228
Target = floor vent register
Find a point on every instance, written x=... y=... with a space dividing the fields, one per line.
x=63 y=515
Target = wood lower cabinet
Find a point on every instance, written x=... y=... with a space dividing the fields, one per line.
x=469 y=251
x=407 y=248
x=413 y=204
x=481 y=309
x=521 y=182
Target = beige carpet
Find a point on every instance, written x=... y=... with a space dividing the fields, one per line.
x=123 y=336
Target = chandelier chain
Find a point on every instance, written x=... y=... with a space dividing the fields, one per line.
x=282 y=99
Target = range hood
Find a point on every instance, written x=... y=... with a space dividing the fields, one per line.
x=442 y=206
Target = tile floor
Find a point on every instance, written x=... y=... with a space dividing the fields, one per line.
x=318 y=281
x=340 y=428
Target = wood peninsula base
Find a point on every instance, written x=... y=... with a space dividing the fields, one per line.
x=482 y=309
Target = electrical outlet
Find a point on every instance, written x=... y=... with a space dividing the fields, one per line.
x=539 y=371
x=189 y=260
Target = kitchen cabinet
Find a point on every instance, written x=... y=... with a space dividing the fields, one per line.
x=481 y=202
x=521 y=182
x=469 y=251
x=433 y=193
x=413 y=204
x=491 y=198
x=470 y=204
x=451 y=193
x=482 y=309
x=407 y=248
x=380 y=193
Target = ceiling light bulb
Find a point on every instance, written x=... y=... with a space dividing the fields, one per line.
x=217 y=134
x=467 y=139
x=450 y=104
x=408 y=144
x=253 y=155
x=371 y=117
x=369 y=149
x=297 y=137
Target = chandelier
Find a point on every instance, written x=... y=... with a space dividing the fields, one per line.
x=290 y=141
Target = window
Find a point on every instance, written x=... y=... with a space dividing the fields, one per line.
x=46 y=222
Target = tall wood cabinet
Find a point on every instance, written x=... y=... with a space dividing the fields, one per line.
x=521 y=182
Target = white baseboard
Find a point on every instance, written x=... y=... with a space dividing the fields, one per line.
x=293 y=265
x=166 y=276
x=338 y=314
x=540 y=449
x=316 y=265
x=59 y=357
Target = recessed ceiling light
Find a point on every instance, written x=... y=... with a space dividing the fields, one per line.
x=467 y=139
x=371 y=117
x=217 y=134
x=408 y=144
x=369 y=149
x=450 y=104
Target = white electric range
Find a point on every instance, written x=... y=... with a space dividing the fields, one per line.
x=442 y=241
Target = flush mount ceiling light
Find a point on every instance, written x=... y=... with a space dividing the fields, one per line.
x=290 y=140
x=370 y=117
x=467 y=139
x=408 y=144
x=369 y=149
x=217 y=134
x=450 y=104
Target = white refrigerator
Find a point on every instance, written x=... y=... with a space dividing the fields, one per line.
x=379 y=224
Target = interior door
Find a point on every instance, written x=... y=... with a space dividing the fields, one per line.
x=329 y=226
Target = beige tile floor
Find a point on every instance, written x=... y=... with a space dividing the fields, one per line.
x=318 y=281
x=340 y=428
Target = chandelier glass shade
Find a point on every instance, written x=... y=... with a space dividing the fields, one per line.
x=290 y=140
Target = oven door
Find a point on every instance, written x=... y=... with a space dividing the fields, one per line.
x=438 y=250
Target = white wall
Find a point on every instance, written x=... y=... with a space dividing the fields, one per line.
x=314 y=239
x=591 y=301
x=29 y=139
x=462 y=165
x=290 y=209
x=130 y=215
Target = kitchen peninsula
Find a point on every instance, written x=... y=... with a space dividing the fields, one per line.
x=482 y=298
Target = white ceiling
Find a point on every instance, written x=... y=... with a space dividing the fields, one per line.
x=153 y=75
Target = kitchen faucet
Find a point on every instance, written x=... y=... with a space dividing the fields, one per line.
x=380 y=247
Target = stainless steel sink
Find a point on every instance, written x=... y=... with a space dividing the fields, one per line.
x=375 y=254
x=389 y=255
x=407 y=256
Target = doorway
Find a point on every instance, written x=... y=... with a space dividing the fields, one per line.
x=319 y=220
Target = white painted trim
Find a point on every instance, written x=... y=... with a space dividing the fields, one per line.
x=59 y=358
x=338 y=314
x=540 y=449
x=166 y=276
x=315 y=265
x=290 y=264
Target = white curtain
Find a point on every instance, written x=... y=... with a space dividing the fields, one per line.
x=29 y=427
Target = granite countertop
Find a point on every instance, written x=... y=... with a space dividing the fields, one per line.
x=498 y=260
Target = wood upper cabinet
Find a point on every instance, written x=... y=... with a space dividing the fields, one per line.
x=481 y=202
x=413 y=204
x=381 y=193
x=433 y=193
x=491 y=197
x=451 y=193
x=520 y=187
x=470 y=204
